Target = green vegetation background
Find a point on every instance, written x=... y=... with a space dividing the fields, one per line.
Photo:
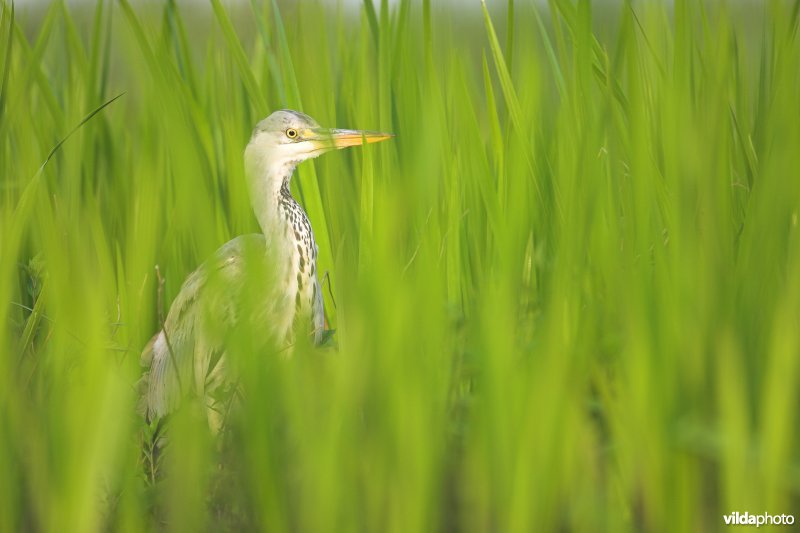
x=567 y=295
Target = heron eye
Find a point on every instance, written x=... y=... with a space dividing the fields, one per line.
x=291 y=133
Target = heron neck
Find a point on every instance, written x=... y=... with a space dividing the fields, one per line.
x=268 y=183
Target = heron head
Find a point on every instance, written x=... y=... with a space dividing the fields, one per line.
x=289 y=137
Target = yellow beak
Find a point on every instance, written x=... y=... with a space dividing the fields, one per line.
x=345 y=138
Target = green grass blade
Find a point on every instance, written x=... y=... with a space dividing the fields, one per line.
x=239 y=56
x=7 y=56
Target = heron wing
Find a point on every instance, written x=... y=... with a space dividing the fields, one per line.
x=187 y=355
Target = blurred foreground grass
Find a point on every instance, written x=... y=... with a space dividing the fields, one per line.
x=567 y=295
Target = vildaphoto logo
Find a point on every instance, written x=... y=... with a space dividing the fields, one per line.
x=765 y=519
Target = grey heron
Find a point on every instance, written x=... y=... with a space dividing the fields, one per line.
x=187 y=356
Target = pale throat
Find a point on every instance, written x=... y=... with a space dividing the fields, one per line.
x=267 y=184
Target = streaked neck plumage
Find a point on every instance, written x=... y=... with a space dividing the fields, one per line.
x=289 y=240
